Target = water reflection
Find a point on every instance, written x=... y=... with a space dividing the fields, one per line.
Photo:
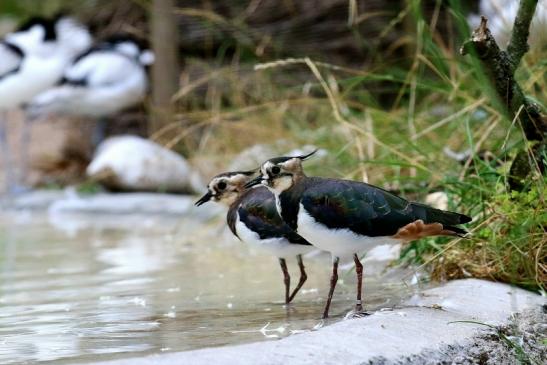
x=81 y=288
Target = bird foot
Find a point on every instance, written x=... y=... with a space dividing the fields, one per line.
x=320 y=324
x=357 y=314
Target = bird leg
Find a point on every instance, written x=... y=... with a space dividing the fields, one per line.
x=303 y=277
x=286 y=279
x=333 y=281
x=6 y=160
x=359 y=271
x=99 y=133
x=24 y=147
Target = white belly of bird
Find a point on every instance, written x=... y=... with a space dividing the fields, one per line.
x=279 y=247
x=94 y=101
x=340 y=242
x=34 y=76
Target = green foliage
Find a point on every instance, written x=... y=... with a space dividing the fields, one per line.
x=390 y=123
x=508 y=241
x=89 y=187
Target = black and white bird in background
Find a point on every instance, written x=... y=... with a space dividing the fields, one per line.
x=32 y=60
x=108 y=78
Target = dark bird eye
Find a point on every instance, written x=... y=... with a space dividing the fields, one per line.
x=276 y=170
x=221 y=185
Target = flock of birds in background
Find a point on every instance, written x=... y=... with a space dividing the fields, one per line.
x=54 y=67
x=287 y=213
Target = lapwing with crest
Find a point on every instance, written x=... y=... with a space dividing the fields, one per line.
x=253 y=218
x=348 y=217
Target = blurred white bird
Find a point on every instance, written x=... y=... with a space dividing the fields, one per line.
x=44 y=49
x=33 y=59
x=101 y=82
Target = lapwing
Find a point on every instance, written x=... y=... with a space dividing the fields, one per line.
x=252 y=217
x=349 y=217
x=32 y=60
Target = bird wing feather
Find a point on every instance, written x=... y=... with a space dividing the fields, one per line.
x=99 y=68
x=362 y=208
x=258 y=212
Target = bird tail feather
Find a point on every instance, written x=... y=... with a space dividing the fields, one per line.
x=448 y=219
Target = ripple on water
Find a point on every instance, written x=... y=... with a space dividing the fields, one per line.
x=98 y=289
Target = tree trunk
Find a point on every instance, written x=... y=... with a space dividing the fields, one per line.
x=500 y=67
x=165 y=71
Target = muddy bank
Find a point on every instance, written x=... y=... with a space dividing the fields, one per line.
x=425 y=329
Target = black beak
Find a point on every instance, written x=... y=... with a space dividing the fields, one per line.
x=257 y=180
x=204 y=199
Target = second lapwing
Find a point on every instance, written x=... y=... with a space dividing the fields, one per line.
x=253 y=218
x=349 y=217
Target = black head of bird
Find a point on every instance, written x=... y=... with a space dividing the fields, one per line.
x=33 y=33
x=226 y=187
x=38 y=35
x=280 y=173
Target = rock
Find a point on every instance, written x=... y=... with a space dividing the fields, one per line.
x=488 y=347
x=438 y=200
x=132 y=203
x=62 y=160
x=32 y=200
x=427 y=324
x=68 y=204
x=76 y=212
x=133 y=163
x=253 y=156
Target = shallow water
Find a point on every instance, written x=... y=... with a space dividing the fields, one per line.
x=76 y=289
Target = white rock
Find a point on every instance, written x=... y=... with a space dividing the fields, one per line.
x=253 y=156
x=438 y=200
x=501 y=15
x=134 y=163
x=386 y=253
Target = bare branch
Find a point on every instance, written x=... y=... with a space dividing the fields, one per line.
x=499 y=67
x=518 y=45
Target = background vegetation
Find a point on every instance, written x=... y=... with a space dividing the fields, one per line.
x=384 y=90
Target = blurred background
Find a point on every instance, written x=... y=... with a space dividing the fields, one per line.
x=206 y=101
x=231 y=75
